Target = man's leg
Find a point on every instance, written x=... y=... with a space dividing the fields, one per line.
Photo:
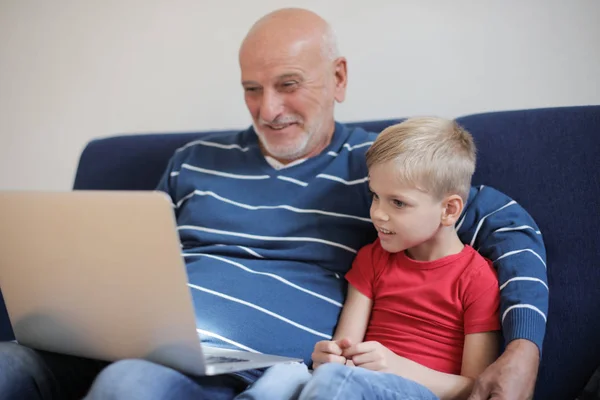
x=144 y=380
x=338 y=382
x=31 y=374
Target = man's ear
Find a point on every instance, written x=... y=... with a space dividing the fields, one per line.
x=341 y=79
x=452 y=208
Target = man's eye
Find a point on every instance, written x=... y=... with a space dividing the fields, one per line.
x=251 y=89
x=289 y=85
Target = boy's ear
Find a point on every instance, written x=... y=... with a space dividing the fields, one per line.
x=452 y=208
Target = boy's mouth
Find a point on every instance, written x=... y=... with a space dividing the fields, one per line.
x=385 y=231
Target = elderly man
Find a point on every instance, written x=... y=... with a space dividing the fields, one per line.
x=270 y=220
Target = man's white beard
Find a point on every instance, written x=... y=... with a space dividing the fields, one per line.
x=290 y=151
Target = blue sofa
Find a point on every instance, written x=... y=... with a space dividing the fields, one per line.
x=546 y=159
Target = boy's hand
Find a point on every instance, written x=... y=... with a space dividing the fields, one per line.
x=330 y=351
x=370 y=355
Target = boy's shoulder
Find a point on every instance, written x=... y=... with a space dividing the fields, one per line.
x=372 y=251
x=477 y=269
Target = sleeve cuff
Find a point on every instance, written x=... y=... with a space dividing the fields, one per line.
x=524 y=323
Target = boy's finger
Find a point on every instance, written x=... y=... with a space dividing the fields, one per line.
x=361 y=348
x=328 y=347
x=323 y=358
x=344 y=343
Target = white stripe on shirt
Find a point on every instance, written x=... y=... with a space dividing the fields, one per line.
x=212 y=144
x=259 y=308
x=524 y=278
x=511 y=253
x=250 y=251
x=277 y=277
x=357 y=146
x=345 y=182
x=232 y=342
x=272 y=238
x=224 y=174
x=292 y=180
x=460 y=222
x=534 y=308
x=281 y=206
x=510 y=203
x=517 y=228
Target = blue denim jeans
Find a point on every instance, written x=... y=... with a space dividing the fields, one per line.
x=30 y=374
x=333 y=382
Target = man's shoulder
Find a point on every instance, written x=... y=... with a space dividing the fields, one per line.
x=218 y=139
x=357 y=135
x=205 y=143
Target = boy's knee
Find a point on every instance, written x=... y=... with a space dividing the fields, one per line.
x=287 y=370
x=328 y=382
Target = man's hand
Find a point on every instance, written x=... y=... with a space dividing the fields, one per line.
x=512 y=376
x=370 y=355
x=330 y=351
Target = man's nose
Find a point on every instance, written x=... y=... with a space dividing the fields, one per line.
x=271 y=106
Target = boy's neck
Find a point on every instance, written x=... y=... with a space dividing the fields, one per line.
x=444 y=243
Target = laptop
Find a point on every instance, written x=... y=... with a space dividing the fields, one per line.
x=99 y=274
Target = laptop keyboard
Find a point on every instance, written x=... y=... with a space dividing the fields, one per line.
x=221 y=359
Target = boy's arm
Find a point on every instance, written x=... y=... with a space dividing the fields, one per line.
x=355 y=316
x=480 y=350
x=350 y=330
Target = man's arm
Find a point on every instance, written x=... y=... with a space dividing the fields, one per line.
x=168 y=180
x=505 y=233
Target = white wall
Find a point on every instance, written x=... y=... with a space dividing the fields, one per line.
x=74 y=70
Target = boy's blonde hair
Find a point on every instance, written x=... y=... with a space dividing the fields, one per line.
x=434 y=154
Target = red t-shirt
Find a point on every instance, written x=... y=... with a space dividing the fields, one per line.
x=423 y=310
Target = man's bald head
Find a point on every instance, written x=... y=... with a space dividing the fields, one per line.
x=292 y=76
x=289 y=26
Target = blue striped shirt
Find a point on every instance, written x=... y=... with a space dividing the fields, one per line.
x=266 y=250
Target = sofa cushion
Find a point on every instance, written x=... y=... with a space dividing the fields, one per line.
x=548 y=161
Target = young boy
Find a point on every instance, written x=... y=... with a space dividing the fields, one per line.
x=420 y=319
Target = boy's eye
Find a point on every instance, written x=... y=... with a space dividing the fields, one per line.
x=398 y=203
x=373 y=195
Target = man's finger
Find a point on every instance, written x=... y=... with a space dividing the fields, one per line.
x=479 y=392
